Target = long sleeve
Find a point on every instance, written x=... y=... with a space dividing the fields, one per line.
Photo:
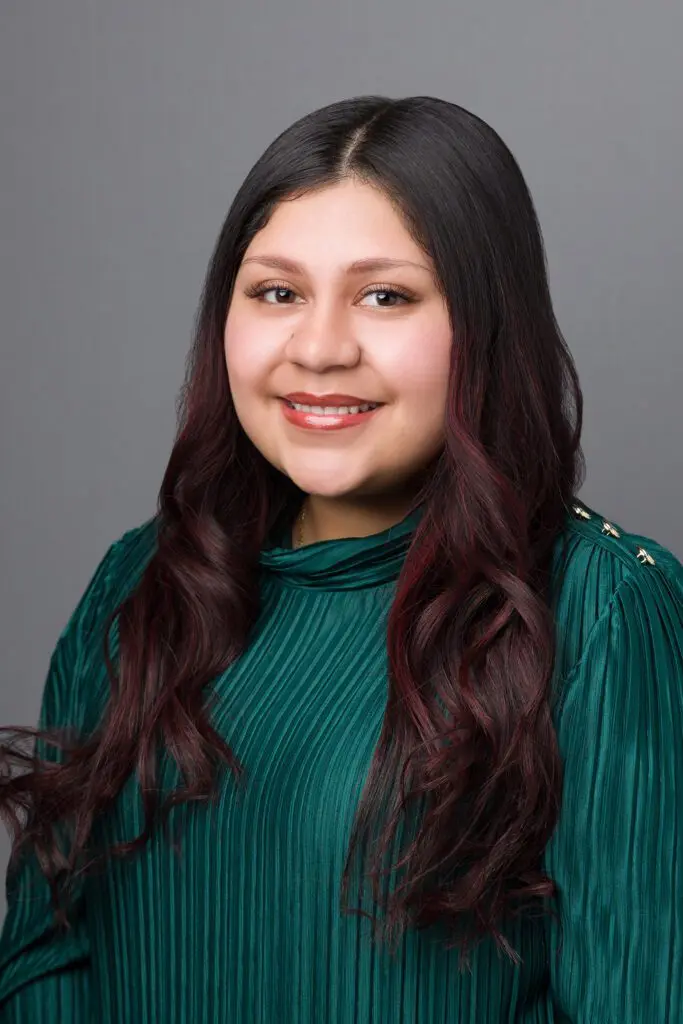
x=44 y=973
x=616 y=954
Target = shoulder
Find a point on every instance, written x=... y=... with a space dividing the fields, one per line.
x=603 y=573
x=597 y=530
x=127 y=557
x=115 y=573
x=619 y=708
x=76 y=671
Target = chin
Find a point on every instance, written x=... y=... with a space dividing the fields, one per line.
x=326 y=486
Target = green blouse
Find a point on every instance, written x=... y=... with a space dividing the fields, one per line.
x=244 y=927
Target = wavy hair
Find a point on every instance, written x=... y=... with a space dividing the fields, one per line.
x=470 y=635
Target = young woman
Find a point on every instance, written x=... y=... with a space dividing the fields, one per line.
x=374 y=719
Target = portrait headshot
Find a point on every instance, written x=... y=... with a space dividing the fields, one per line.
x=343 y=624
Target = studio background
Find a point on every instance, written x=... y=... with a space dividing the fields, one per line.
x=126 y=129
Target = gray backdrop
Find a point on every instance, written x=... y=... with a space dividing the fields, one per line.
x=126 y=128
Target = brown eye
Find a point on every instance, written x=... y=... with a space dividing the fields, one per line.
x=259 y=290
x=389 y=293
x=280 y=294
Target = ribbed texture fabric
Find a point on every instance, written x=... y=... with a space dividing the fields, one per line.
x=243 y=926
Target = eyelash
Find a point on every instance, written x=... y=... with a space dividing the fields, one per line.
x=257 y=290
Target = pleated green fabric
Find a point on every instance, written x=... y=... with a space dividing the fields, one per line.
x=243 y=926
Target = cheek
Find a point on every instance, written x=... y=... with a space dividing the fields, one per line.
x=419 y=370
x=419 y=376
x=246 y=355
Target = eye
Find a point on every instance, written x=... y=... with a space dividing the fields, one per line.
x=257 y=291
x=386 y=292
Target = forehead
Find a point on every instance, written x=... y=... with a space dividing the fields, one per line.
x=337 y=225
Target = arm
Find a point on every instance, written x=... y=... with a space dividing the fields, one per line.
x=44 y=973
x=617 y=853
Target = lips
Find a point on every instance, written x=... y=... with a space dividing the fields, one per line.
x=305 y=398
x=324 y=423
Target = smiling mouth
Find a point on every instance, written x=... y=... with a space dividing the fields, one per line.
x=329 y=419
x=352 y=408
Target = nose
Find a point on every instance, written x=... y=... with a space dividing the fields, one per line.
x=321 y=339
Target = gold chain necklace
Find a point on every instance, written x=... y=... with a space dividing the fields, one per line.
x=300 y=531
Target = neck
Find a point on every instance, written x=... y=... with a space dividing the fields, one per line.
x=323 y=519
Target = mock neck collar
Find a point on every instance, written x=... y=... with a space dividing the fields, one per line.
x=348 y=563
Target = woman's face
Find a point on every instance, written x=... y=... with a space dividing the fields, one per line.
x=322 y=327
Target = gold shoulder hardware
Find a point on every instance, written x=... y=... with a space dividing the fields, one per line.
x=643 y=556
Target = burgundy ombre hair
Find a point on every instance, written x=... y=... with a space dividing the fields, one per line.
x=471 y=642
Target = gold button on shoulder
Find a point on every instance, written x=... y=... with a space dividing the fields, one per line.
x=620 y=541
x=645 y=557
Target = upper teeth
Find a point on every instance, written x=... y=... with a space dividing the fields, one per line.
x=335 y=410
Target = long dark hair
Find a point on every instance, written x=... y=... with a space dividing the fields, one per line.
x=471 y=615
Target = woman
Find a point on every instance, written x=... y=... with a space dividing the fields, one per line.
x=422 y=706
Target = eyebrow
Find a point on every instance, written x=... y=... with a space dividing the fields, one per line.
x=357 y=267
